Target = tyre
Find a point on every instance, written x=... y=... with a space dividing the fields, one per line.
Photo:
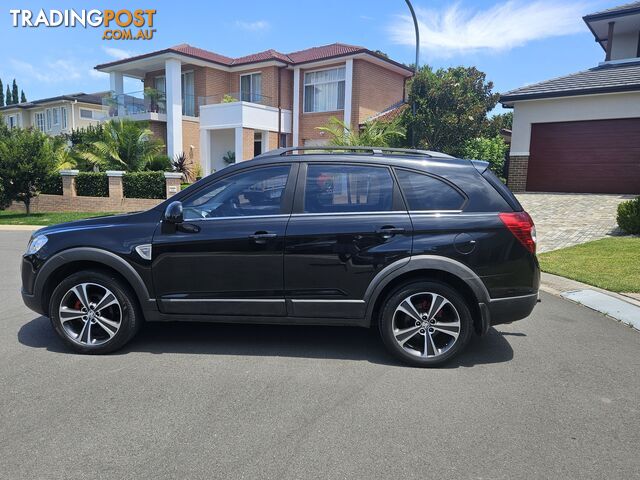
x=425 y=324
x=94 y=312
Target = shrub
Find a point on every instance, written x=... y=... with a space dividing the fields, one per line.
x=629 y=216
x=161 y=163
x=492 y=150
x=92 y=184
x=144 y=185
x=52 y=185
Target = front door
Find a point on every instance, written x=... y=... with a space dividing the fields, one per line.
x=228 y=261
x=349 y=223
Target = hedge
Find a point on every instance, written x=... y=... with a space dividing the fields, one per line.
x=629 y=216
x=52 y=185
x=144 y=185
x=92 y=184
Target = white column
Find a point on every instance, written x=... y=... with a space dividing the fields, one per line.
x=116 y=85
x=296 y=106
x=348 y=89
x=239 y=144
x=205 y=151
x=173 y=78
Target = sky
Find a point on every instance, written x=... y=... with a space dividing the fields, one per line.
x=514 y=42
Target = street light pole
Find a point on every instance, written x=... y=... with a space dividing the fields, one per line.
x=413 y=106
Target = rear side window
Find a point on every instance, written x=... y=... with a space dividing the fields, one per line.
x=424 y=192
x=347 y=188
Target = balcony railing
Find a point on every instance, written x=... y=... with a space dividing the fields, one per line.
x=135 y=103
x=236 y=97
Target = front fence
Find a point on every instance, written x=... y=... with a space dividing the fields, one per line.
x=115 y=201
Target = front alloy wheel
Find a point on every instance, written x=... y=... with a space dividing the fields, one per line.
x=90 y=314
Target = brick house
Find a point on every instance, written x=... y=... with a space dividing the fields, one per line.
x=206 y=104
x=581 y=132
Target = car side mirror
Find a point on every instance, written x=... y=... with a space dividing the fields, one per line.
x=173 y=213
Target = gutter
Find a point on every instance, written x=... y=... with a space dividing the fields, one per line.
x=279 y=107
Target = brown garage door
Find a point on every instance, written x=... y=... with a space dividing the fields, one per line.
x=599 y=156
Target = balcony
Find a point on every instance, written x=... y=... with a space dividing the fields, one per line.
x=236 y=97
x=148 y=104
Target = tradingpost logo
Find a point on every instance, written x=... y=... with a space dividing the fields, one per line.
x=118 y=24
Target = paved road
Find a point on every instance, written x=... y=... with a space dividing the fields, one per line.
x=553 y=396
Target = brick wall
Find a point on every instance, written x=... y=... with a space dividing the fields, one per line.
x=517 y=180
x=247 y=144
x=159 y=130
x=60 y=203
x=191 y=136
x=374 y=89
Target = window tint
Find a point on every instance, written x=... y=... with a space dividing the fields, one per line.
x=347 y=188
x=256 y=192
x=424 y=192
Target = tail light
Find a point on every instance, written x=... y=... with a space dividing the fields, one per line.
x=522 y=227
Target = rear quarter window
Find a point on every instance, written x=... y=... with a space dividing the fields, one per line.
x=424 y=192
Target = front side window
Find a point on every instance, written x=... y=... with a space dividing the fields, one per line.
x=40 y=121
x=424 y=192
x=256 y=192
x=324 y=90
x=347 y=188
x=251 y=88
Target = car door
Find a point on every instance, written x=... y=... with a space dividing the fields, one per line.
x=349 y=223
x=226 y=258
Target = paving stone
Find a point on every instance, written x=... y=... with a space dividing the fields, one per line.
x=566 y=219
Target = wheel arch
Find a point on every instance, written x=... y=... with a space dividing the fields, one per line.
x=431 y=267
x=74 y=260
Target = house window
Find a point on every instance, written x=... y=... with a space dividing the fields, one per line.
x=56 y=116
x=283 y=140
x=63 y=114
x=40 y=125
x=84 y=113
x=251 y=87
x=324 y=90
x=48 y=119
x=257 y=143
x=188 y=91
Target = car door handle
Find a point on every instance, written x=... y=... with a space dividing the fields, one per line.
x=262 y=236
x=389 y=230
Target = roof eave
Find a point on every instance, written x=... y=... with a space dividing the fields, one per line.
x=508 y=100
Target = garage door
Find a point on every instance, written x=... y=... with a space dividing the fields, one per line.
x=599 y=156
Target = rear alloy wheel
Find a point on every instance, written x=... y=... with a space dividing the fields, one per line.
x=94 y=312
x=426 y=323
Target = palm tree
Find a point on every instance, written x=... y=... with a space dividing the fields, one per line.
x=124 y=144
x=371 y=134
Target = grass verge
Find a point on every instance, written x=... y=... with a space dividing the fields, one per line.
x=51 y=218
x=611 y=263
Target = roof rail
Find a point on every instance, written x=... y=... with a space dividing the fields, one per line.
x=345 y=149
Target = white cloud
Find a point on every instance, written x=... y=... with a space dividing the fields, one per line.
x=117 y=53
x=52 y=71
x=257 y=26
x=504 y=26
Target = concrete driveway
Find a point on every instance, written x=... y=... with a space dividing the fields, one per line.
x=552 y=396
x=565 y=219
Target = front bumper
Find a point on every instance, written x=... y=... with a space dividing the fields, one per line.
x=32 y=302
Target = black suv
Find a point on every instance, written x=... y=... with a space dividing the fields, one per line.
x=426 y=247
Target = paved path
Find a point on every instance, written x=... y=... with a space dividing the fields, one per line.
x=565 y=219
x=553 y=396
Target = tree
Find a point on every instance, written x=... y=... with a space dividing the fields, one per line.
x=23 y=97
x=14 y=93
x=497 y=123
x=371 y=134
x=1 y=94
x=490 y=149
x=123 y=144
x=26 y=161
x=8 y=97
x=451 y=107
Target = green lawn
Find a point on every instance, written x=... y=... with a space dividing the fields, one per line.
x=611 y=263
x=13 y=218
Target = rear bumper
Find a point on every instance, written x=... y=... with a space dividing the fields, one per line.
x=510 y=309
